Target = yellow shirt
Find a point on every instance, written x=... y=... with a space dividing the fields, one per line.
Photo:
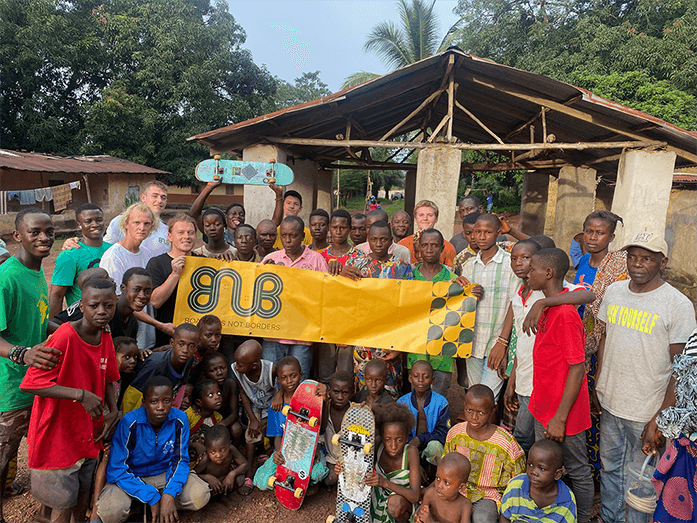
x=278 y=245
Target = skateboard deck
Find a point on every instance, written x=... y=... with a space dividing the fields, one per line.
x=243 y=173
x=303 y=417
x=357 y=441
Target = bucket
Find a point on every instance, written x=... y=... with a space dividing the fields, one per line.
x=641 y=495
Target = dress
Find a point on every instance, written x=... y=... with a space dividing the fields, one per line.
x=379 y=496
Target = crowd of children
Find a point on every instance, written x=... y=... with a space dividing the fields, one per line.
x=553 y=392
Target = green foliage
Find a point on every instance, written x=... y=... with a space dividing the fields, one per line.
x=307 y=87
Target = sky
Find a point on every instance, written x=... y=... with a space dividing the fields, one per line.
x=292 y=37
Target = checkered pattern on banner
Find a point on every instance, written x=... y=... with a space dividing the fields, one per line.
x=451 y=321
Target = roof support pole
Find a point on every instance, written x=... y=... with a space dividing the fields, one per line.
x=416 y=111
x=452 y=86
x=478 y=121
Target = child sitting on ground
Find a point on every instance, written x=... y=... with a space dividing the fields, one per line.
x=540 y=495
x=374 y=392
x=443 y=501
x=222 y=466
x=203 y=414
x=256 y=379
x=175 y=364
x=432 y=416
x=215 y=367
x=494 y=454
x=211 y=331
x=67 y=425
x=339 y=392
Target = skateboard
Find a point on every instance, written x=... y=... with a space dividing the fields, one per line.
x=244 y=173
x=357 y=441
x=303 y=417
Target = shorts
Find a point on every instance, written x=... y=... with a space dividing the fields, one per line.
x=13 y=427
x=60 y=488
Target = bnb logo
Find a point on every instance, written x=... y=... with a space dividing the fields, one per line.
x=206 y=282
x=451 y=326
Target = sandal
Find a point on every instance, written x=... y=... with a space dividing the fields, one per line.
x=262 y=458
x=247 y=488
x=14 y=490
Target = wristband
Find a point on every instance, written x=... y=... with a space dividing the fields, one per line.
x=16 y=354
x=503 y=341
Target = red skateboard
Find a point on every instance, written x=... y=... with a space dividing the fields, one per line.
x=303 y=417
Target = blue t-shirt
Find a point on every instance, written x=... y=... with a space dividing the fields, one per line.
x=575 y=253
x=585 y=275
x=276 y=423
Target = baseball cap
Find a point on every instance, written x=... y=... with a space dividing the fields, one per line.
x=294 y=194
x=649 y=241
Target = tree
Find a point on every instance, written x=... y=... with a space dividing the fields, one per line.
x=413 y=39
x=307 y=87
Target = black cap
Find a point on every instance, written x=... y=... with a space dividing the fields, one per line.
x=296 y=194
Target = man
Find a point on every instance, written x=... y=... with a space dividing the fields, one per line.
x=647 y=323
x=288 y=204
x=294 y=254
x=359 y=231
x=400 y=251
x=246 y=244
x=24 y=323
x=468 y=205
x=71 y=262
x=266 y=237
x=166 y=269
x=426 y=217
x=400 y=225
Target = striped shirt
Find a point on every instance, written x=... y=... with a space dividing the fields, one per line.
x=517 y=504
x=494 y=461
x=500 y=286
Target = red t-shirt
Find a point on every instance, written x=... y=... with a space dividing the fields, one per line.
x=60 y=430
x=559 y=344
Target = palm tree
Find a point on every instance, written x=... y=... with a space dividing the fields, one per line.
x=413 y=39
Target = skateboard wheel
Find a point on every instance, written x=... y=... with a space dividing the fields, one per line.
x=285 y=410
x=312 y=422
x=331 y=519
x=272 y=180
x=335 y=439
x=272 y=160
x=216 y=157
x=216 y=177
x=298 y=493
x=367 y=448
x=272 y=481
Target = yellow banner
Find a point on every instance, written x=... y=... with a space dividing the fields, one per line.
x=273 y=301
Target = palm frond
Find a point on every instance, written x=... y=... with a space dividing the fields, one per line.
x=358 y=78
x=450 y=36
x=387 y=41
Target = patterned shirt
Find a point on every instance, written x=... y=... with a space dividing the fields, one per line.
x=494 y=462
x=517 y=505
x=369 y=267
x=500 y=286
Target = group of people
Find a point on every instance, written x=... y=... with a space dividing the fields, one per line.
x=123 y=408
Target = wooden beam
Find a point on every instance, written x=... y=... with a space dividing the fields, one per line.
x=361 y=167
x=524 y=125
x=544 y=125
x=317 y=142
x=412 y=114
x=478 y=121
x=451 y=106
x=435 y=132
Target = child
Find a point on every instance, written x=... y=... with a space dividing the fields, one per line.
x=174 y=363
x=255 y=377
x=245 y=242
x=397 y=477
x=559 y=401
x=494 y=455
x=431 y=412
x=149 y=461
x=67 y=427
x=540 y=495
x=203 y=414
x=211 y=331
x=222 y=466
x=127 y=355
x=443 y=502
x=319 y=226
x=472 y=248
x=215 y=367
x=213 y=222
x=339 y=393
x=339 y=226
x=374 y=392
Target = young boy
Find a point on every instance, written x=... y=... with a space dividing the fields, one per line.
x=149 y=461
x=222 y=466
x=540 y=496
x=494 y=454
x=443 y=501
x=374 y=392
x=246 y=242
x=338 y=401
x=256 y=379
x=211 y=330
x=471 y=250
x=214 y=366
x=175 y=364
x=431 y=412
x=319 y=226
x=559 y=401
x=67 y=427
x=206 y=401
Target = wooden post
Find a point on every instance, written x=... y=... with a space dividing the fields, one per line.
x=544 y=125
x=451 y=106
x=87 y=188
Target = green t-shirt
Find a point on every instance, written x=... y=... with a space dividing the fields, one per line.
x=71 y=263
x=442 y=363
x=23 y=321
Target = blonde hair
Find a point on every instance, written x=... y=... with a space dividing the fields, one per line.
x=426 y=203
x=155 y=183
x=180 y=217
x=138 y=206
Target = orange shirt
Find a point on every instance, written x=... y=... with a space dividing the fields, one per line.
x=447 y=257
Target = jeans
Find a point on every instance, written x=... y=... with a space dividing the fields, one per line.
x=274 y=351
x=620 y=443
x=524 y=431
x=478 y=372
x=578 y=468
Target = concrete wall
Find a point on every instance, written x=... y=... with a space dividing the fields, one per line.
x=220 y=197
x=681 y=236
x=533 y=205
x=437 y=176
x=304 y=175
x=575 y=199
x=259 y=201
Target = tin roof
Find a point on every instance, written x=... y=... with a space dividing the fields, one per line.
x=39 y=162
x=503 y=98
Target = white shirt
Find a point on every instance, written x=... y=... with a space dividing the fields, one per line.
x=116 y=260
x=157 y=243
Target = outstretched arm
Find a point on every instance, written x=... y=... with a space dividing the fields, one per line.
x=278 y=208
x=579 y=297
x=197 y=207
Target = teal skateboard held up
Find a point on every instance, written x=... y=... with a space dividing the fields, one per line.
x=238 y=172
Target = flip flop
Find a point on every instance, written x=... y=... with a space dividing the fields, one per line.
x=249 y=485
x=14 y=490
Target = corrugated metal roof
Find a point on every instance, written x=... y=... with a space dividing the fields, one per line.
x=38 y=162
x=684 y=178
x=502 y=97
